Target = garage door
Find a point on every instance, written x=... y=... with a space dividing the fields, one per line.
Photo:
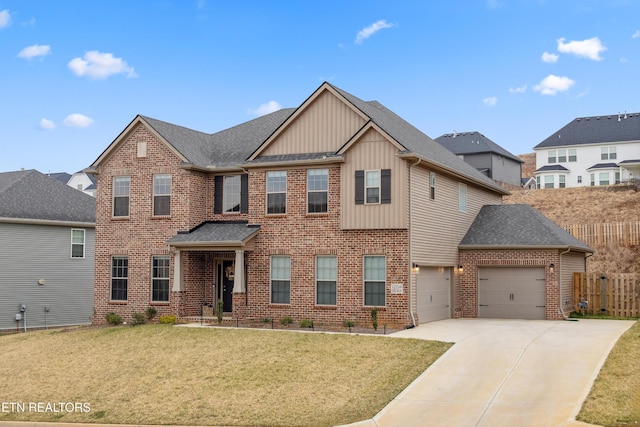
x=434 y=294
x=512 y=293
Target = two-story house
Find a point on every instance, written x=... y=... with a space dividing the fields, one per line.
x=590 y=151
x=321 y=212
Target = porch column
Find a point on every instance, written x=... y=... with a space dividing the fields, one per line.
x=177 y=272
x=238 y=281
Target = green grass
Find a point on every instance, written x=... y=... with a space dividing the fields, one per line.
x=614 y=399
x=160 y=374
x=599 y=316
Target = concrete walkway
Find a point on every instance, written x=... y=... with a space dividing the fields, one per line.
x=504 y=373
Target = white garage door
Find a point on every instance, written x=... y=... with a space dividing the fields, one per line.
x=512 y=293
x=434 y=294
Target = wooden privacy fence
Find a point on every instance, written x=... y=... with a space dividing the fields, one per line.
x=616 y=294
x=624 y=233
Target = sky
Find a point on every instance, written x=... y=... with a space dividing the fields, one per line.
x=74 y=74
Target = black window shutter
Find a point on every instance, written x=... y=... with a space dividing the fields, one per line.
x=217 y=194
x=244 y=193
x=385 y=186
x=359 y=187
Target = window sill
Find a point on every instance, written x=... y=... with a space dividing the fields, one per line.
x=326 y=307
x=378 y=307
x=160 y=217
x=317 y=214
x=276 y=305
x=160 y=303
x=120 y=218
x=118 y=302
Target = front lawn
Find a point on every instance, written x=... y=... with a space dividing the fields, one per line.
x=614 y=399
x=160 y=374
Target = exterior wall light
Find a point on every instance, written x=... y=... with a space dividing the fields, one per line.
x=552 y=268
x=460 y=269
x=415 y=268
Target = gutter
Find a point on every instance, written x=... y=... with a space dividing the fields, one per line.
x=59 y=223
x=413 y=319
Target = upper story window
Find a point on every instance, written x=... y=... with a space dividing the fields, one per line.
x=573 y=155
x=562 y=156
x=432 y=185
x=77 y=243
x=119 y=278
x=276 y=192
x=121 y=185
x=462 y=197
x=551 y=156
x=373 y=186
x=317 y=190
x=374 y=280
x=231 y=194
x=162 y=194
x=608 y=153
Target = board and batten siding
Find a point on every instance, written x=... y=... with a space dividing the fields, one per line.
x=326 y=125
x=373 y=152
x=33 y=252
x=438 y=226
x=572 y=262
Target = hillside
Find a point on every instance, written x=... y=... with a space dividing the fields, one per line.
x=529 y=165
x=590 y=205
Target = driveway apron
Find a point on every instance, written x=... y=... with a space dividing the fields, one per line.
x=504 y=373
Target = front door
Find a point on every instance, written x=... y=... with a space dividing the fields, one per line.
x=228 y=275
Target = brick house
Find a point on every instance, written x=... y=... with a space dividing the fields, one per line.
x=321 y=212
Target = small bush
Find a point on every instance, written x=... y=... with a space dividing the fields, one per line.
x=266 y=320
x=374 y=318
x=169 y=319
x=138 y=319
x=306 y=323
x=114 y=318
x=150 y=312
x=219 y=309
x=286 y=321
x=348 y=323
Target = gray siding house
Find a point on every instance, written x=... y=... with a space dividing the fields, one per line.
x=47 y=242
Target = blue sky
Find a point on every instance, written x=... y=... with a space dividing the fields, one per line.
x=75 y=73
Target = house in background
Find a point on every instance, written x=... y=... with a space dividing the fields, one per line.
x=486 y=156
x=47 y=237
x=321 y=212
x=590 y=151
x=80 y=181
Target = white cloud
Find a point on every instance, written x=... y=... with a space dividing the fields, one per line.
x=367 y=32
x=35 y=50
x=551 y=85
x=520 y=89
x=589 y=48
x=490 y=102
x=636 y=34
x=100 y=65
x=5 y=18
x=77 y=121
x=267 y=108
x=550 y=57
x=47 y=124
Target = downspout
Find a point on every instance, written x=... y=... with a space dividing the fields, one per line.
x=564 y=316
x=413 y=319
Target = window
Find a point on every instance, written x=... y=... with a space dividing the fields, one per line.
x=326 y=279
x=280 y=279
x=231 y=194
x=276 y=192
x=372 y=187
x=562 y=156
x=374 y=280
x=119 y=278
x=573 y=156
x=317 y=190
x=551 y=156
x=617 y=177
x=161 y=195
x=462 y=197
x=432 y=185
x=593 y=179
x=608 y=153
x=562 y=183
x=121 y=186
x=537 y=182
x=77 y=243
x=603 y=178
x=548 y=181
x=579 y=179
x=79 y=187
x=160 y=278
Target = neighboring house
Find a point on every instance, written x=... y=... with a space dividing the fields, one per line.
x=83 y=182
x=590 y=151
x=321 y=212
x=486 y=156
x=529 y=183
x=63 y=177
x=47 y=236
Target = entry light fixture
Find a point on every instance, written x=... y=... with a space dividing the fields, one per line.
x=415 y=268
x=460 y=269
x=552 y=268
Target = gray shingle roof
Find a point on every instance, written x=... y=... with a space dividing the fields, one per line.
x=32 y=195
x=473 y=143
x=548 y=168
x=60 y=176
x=596 y=130
x=604 y=166
x=509 y=226
x=216 y=233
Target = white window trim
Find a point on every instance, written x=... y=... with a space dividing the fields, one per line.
x=168 y=279
x=84 y=243
x=318 y=191
x=224 y=195
x=432 y=185
x=113 y=197
x=379 y=186
x=364 y=281
x=462 y=197
x=271 y=279
x=153 y=204
x=267 y=192
x=317 y=280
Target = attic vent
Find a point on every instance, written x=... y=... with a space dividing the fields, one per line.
x=142 y=149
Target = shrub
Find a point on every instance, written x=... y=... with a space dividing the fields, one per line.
x=169 y=319
x=306 y=323
x=219 y=309
x=114 y=318
x=374 y=318
x=286 y=321
x=150 y=312
x=266 y=320
x=138 y=319
x=348 y=323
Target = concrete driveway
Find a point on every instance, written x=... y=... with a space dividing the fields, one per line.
x=504 y=373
